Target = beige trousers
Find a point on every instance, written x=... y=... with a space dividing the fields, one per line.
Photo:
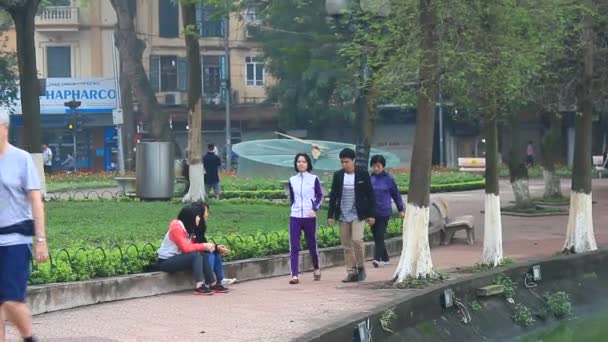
x=351 y=237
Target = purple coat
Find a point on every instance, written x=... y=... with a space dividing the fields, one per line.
x=385 y=190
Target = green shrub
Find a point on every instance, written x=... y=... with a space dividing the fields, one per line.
x=558 y=303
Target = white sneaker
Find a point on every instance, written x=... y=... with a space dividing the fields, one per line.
x=384 y=263
x=229 y=281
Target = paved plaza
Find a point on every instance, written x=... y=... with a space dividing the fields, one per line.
x=273 y=310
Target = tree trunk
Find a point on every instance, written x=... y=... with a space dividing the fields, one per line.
x=196 y=192
x=128 y=131
x=492 y=240
x=579 y=236
x=518 y=172
x=551 y=149
x=131 y=49
x=23 y=16
x=415 y=258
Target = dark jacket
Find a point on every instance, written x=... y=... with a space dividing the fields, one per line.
x=212 y=164
x=386 y=189
x=365 y=201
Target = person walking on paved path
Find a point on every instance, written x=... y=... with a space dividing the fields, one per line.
x=47 y=158
x=21 y=218
x=215 y=257
x=351 y=202
x=530 y=154
x=178 y=252
x=212 y=163
x=385 y=190
x=306 y=196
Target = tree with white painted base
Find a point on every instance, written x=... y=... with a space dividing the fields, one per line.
x=415 y=258
x=579 y=236
x=196 y=190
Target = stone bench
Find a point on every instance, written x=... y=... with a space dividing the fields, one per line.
x=599 y=165
x=127 y=184
x=447 y=227
x=472 y=164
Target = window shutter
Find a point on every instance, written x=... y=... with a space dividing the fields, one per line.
x=182 y=74
x=155 y=72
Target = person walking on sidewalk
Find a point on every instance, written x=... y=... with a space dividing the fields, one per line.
x=351 y=202
x=306 y=196
x=21 y=218
x=385 y=189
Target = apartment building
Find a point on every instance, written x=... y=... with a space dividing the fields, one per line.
x=76 y=55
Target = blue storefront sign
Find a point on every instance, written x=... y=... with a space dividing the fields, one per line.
x=97 y=95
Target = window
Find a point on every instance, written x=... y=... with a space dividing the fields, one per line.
x=208 y=22
x=212 y=78
x=168 y=73
x=250 y=16
x=58 y=3
x=58 y=61
x=168 y=19
x=255 y=71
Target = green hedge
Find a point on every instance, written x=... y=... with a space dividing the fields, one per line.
x=280 y=194
x=84 y=263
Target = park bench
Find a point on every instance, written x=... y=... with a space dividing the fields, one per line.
x=600 y=166
x=472 y=164
x=127 y=184
x=440 y=221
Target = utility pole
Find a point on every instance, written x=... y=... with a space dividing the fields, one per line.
x=227 y=86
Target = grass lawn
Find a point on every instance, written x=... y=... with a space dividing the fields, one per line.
x=73 y=223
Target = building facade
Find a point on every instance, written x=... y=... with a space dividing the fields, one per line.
x=76 y=55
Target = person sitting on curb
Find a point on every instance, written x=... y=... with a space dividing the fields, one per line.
x=178 y=252
x=214 y=257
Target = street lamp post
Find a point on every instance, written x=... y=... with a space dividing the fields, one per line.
x=337 y=9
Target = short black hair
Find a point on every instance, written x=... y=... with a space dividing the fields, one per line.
x=378 y=158
x=347 y=153
x=308 y=161
x=210 y=147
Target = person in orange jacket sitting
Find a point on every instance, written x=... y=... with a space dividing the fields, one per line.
x=178 y=252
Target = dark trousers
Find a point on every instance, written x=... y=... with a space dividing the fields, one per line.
x=296 y=226
x=198 y=262
x=378 y=230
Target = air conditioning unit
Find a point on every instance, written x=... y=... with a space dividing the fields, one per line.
x=172 y=98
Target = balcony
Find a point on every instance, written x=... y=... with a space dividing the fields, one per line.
x=57 y=19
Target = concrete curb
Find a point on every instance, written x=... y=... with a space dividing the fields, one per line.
x=424 y=305
x=61 y=296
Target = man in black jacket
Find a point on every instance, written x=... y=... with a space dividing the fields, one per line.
x=212 y=164
x=351 y=202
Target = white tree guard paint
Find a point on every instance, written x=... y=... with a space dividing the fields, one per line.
x=492 y=236
x=196 y=192
x=38 y=161
x=415 y=258
x=521 y=190
x=552 y=184
x=579 y=235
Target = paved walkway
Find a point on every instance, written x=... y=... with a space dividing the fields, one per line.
x=272 y=310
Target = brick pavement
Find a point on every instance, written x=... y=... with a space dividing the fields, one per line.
x=272 y=310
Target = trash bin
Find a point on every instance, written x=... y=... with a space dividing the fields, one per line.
x=155 y=170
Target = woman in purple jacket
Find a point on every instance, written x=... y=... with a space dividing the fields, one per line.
x=385 y=190
x=306 y=197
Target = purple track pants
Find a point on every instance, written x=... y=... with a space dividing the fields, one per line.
x=309 y=226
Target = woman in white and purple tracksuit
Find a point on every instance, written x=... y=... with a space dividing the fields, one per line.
x=306 y=196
